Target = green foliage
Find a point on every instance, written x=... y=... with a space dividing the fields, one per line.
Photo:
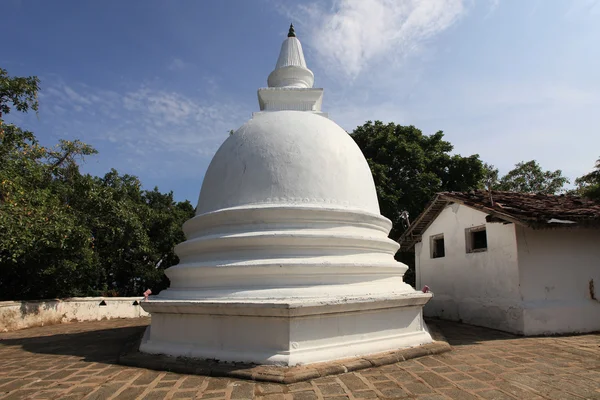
x=490 y=179
x=409 y=168
x=18 y=92
x=528 y=177
x=63 y=233
x=589 y=184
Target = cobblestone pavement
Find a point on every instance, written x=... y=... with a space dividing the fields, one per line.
x=77 y=361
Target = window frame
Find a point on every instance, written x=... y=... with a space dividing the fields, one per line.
x=469 y=239
x=432 y=247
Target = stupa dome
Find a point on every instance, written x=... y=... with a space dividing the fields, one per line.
x=289 y=157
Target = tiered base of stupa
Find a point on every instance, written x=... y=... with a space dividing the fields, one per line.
x=285 y=333
x=285 y=286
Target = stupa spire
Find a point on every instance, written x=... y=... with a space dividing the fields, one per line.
x=291 y=70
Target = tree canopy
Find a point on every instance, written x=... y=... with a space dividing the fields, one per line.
x=526 y=177
x=588 y=185
x=64 y=233
x=409 y=168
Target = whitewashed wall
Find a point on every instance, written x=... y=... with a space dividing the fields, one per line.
x=556 y=266
x=25 y=314
x=476 y=288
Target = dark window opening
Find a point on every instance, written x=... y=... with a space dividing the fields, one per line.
x=476 y=240
x=479 y=240
x=438 y=249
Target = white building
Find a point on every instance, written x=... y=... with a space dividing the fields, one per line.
x=522 y=263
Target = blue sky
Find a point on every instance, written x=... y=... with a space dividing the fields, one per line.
x=155 y=86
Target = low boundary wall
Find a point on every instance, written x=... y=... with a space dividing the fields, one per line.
x=16 y=315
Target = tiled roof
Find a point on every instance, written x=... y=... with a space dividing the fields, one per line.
x=527 y=209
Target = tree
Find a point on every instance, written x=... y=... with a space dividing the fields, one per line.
x=409 y=168
x=589 y=185
x=43 y=250
x=528 y=177
x=64 y=233
x=490 y=179
x=18 y=92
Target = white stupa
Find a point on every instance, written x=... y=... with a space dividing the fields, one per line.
x=287 y=260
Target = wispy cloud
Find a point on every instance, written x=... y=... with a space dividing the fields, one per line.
x=583 y=8
x=144 y=125
x=177 y=64
x=353 y=35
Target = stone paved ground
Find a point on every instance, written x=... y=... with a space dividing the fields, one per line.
x=77 y=361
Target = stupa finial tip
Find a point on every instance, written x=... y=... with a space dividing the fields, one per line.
x=291 y=33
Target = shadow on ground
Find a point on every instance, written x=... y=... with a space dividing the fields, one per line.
x=103 y=345
x=459 y=334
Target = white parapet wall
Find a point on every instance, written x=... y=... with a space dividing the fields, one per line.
x=16 y=315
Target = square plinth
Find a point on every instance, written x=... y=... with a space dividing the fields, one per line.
x=285 y=333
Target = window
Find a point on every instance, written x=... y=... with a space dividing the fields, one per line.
x=436 y=244
x=476 y=239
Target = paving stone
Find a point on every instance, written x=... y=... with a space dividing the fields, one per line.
x=268 y=388
x=517 y=391
x=243 y=390
x=14 y=384
x=305 y=395
x=213 y=395
x=430 y=362
x=300 y=386
x=330 y=379
x=442 y=370
x=20 y=394
x=483 y=376
x=217 y=383
x=164 y=385
x=273 y=396
x=494 y=395
x=458 y=394
x=401 y=376
x=146 y=378
x=353 y=382
x=418 y=388
x=82 y=390
x=156 y=395
x=187 y=395
x=192 y=382
x=104 y=392
x=472 y=385
x=385 y=385
x=365 y=394
x=328 y=390
x=130 y=393
x=434 y=380
x=457 y=377
x=394 y=393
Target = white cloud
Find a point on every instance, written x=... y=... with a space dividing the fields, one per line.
x=143 y=125
x=177 y=64
x=493 y=6
x=353 y=35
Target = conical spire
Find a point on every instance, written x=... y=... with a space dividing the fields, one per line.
x=291 y=70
